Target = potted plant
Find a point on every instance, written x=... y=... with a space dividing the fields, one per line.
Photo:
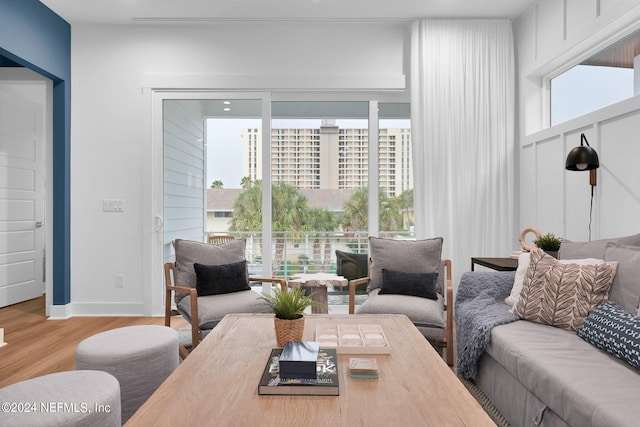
x=549 y=243
x=288 y=305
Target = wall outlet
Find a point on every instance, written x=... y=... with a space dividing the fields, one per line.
x=113 y=205
x=119 y=280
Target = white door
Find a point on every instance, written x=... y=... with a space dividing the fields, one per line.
x=22 y=189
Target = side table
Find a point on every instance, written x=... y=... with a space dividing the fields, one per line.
x=318 y=282
x=499 y=264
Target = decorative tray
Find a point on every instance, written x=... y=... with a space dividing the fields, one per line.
x=353 y=339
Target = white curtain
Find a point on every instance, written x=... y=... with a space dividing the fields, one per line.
x=462 y=119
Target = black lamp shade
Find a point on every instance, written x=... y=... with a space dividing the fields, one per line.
x=582 y=158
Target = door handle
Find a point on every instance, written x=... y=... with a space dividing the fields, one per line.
x=39 y=224
x=159 y=224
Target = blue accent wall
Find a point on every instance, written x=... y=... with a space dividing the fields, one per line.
x=33 y=36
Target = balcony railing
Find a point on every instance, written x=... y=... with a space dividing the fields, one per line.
x=306 y=252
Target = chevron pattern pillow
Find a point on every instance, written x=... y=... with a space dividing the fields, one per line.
x=615 y=331
x=562 y=295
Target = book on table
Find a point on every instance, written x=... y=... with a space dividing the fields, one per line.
x=325 y=383
x=363 y=367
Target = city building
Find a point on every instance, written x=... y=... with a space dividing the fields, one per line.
x=330 y=157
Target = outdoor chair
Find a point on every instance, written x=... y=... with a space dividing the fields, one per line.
x=209 y=282
x=218 y=240
x=351 y=265
x=409 y=277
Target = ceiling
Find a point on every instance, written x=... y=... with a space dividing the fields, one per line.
x=180 y=11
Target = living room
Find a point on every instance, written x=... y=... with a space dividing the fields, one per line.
x=105 y=135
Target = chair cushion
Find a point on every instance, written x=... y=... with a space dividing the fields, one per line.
x=212 y=308
x=221 y=279
x=421 y=285
x=422 y=312
x=625 y=290
x=562 y=295
x=410 y=256
x=189 y=252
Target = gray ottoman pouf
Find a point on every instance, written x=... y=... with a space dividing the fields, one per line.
x=73 y=398
x=140 y=357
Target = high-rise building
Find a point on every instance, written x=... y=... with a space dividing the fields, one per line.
x=329 y=157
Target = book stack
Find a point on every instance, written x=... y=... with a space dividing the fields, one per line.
x=363 y=367
x=325 y=382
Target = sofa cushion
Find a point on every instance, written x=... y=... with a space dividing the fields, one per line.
x=221 y=279
x=421 y=285
x=423 y=312
x=189 y=252
x=582 y=384
x=594 y=249
x=615 y=331
x=410 y=256
x=562 y=295
x=625 y=290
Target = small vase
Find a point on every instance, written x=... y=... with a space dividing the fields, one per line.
x=288 y=330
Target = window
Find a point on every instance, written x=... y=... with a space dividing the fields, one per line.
x=603 y=79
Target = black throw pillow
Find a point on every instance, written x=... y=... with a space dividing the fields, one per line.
x=413 y=284
x=221 y=279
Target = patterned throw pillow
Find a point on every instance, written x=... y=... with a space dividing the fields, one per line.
x=562 y=295
x=615 y=331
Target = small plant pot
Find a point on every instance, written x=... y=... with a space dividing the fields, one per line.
x=288 y=330
x=552 y=253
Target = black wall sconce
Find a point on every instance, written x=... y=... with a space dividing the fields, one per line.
x=584 y=158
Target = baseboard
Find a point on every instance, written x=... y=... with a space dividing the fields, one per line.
x=124 y=309
x=59 y=312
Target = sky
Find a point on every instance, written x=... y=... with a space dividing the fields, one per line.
x=585 y=88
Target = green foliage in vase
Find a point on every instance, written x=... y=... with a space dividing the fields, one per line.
x=548 y=242
x=289 y=304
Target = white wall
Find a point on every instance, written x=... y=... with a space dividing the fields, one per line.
x=551 y=37
x=113 y=68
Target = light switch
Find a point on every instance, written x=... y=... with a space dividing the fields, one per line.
x=113 y=205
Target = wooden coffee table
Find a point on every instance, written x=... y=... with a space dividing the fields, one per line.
x=218 y=383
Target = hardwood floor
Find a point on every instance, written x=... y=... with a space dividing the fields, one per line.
x=38 y=346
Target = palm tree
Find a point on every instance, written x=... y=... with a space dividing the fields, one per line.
x=217 y=184
x=321 y=220
x=245 y=182
x=356 y=212
x=289 y=211
x=405 y=203
x=247 y=209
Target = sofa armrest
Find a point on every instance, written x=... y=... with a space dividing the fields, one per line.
x=474 y=282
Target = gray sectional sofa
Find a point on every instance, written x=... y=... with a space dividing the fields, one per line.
x=547 y=370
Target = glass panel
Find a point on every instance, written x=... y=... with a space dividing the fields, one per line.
x=319 y=167
x=234 y=149
x=603 y=79
x=396 y=171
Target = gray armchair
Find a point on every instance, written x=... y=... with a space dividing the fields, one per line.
x=409 y=277
x=209 y=282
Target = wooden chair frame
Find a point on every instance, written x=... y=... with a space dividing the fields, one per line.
x=447 y=341
x=192 y=293
x=218 y=240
